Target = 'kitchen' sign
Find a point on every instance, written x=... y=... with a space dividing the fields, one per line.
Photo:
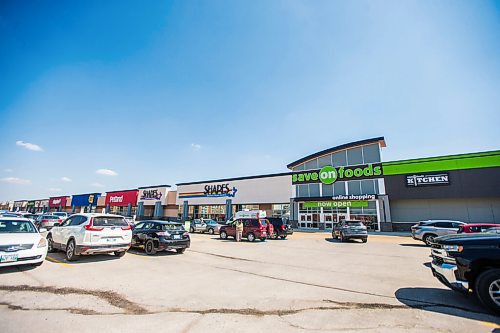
x=427 y=179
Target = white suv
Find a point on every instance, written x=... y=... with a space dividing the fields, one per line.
x=83 y=234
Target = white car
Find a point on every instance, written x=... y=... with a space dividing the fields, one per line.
x=91 y=233
x=62 y=215
x=21 y=243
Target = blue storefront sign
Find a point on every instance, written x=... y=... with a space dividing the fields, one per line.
x=84 y=200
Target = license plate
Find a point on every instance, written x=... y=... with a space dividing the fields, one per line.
x=177 y=236
x=8 y=257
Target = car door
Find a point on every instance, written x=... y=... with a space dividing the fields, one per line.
x=68 y=230
x=144 y=233
x=58 y=232
x=444 y=228
x=136 y=232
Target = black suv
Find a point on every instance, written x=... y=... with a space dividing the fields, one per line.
x=470 y=262
x=281 y=227
x=156 y=236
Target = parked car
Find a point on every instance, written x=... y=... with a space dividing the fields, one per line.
x=346 y=230
x=62 y=215
x=469 y=262
x=9 y=214
x=30 y=216
x=47 y=221
x=426 y=231
x=198 y=225
x=21 y=243
x=252 y=229
x=281 y=228
x=90 y=233
x=213 y=227
x=476 y=227
x=156 y=236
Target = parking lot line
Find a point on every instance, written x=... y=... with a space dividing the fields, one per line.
x=487 y=323
x=57 y=261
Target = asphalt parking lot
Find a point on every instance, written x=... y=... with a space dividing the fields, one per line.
x=308 y=282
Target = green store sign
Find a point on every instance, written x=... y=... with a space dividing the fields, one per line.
x=329 y=174
x=335 y=204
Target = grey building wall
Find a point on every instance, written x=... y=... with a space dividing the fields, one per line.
x=472 y=210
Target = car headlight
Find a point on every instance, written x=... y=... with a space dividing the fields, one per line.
x=453 y=248
x=42 y=242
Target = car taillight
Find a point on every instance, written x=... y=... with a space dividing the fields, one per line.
x=283 y=227
x=186 y=234
x=90 y=226
x=127 y=228
x=45 y=221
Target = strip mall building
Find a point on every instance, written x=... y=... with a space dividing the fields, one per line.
x=351 y=181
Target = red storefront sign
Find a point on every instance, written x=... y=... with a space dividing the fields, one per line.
x=122 y=198
x=57 y=202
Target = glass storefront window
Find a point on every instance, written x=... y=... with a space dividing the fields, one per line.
x=339 y=188
x=354 y=187
x=339 y=158
x=368 y=186
x=371 y=154
x=355 y=156
x=314 y=190
x=303 y=190
x=312 y=164
x=281 y=210
x=327 y=190
x=324 y=161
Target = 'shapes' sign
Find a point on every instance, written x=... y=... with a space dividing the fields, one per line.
x=329 y=174
x=152 y=194
x=217 y=190
x=427 y=179
x=122 y=198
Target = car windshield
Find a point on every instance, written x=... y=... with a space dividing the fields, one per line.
x=354 y=223
x=8 y=215
x=109 y=221
x=16 y=227
x=210 y=222
x=50 y=217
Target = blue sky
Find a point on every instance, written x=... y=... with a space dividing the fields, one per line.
x=161 y=92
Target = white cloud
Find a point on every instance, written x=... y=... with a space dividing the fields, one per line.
x=29 y=146
x=195 y=146
x=97 y=185
x=106 y=172
x=66 y=179
x=15 y=180
x=8 y=170
x=55 y=189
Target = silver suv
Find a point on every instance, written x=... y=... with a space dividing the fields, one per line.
x=426 y=231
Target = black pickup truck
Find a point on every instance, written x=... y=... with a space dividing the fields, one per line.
x=469 y=263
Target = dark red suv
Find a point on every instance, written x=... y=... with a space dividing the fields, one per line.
x=475 y=227
x=252 y=229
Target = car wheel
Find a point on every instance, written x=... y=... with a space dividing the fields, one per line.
x=211 y=231
x=149 y=247
x=223 y=235
x=191 y=230
x=283 y=237
x=263 y=239
x=251 y=237
x=488 y=289
x=180 y=251
x=341 y=237
x=50 y=244
x=119 y=254
x=333 y=235
x=71 y=251
x=364 y=240
x=429 y=239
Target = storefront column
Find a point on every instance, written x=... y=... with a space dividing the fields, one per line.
x=185 y=210
x=158 y=209
x=140 y=209
x=378 y=213
x=107 y=209
x=73 y=209
x=129 y=209
x=229 y=209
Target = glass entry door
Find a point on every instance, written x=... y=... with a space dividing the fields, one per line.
x=305 y=220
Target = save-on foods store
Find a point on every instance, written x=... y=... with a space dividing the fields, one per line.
x=341 y=183
x=122 y=202
x=220 y=199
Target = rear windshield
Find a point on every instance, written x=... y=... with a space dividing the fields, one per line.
x=264 y=223
x=16 y=227
x=354 y=223
x=50 y=217
x=60 y=214
x=166 y=227
x=104 y=221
